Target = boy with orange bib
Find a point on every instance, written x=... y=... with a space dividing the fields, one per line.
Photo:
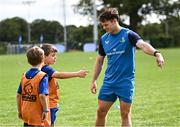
x=50 y=58
x=32 y=94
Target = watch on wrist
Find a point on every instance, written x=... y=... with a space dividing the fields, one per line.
x=155 y=52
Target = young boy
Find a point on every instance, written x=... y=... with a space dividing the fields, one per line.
x=50 y=58
x=32 y=94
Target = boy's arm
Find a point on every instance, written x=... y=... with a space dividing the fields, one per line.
x=18 y=100
x=44 y=103
x=65 y=75
x=43 y=91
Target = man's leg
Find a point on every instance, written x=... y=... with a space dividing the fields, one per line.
x=103 y=108
x=125 y=109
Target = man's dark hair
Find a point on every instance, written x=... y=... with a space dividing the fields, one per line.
x=109 y=14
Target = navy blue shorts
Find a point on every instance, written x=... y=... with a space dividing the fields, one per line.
x=109 y=93
x=53 y=114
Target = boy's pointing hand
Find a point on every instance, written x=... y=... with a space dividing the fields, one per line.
x=82 y=73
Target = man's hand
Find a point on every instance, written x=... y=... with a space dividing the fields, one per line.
x=94 y=87
x=159 y=60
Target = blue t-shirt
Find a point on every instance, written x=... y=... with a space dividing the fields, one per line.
x=43 y=86
x=120 y=51
x=48 y=70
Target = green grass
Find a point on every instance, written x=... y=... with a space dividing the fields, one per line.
x=156 y=101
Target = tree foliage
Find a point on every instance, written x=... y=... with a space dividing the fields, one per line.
x=78 y=36
x=51 y=30
x=136 y=10
x=10 y=29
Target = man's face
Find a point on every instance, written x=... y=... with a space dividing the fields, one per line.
x=108 y=25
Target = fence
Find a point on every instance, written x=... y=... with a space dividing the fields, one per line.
x=8 y=48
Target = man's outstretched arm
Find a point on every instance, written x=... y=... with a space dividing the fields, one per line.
x=148 y=49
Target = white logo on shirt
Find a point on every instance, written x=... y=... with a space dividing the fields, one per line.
x=114 y=49
x=106 y=42
x=122 y=40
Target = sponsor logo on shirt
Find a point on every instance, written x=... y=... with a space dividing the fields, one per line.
x=114 y=52
x=28 y=91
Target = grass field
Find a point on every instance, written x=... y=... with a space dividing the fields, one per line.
x=156 y=101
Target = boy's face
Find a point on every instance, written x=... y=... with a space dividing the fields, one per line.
x=50 y=59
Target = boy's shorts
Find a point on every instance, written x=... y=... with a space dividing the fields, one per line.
x=109 y=93
x=53 y=114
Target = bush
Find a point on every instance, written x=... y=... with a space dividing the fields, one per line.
x=162 y=41
x=3 y=47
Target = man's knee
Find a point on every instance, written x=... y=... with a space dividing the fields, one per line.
x=125 y=114
x=101 y=112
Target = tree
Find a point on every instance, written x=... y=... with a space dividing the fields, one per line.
x=78 y=36
x=136 y=10
x=10 y=29
x=174 y=24
x=51 y=30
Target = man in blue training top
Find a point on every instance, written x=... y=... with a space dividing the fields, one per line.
x=119 y=45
